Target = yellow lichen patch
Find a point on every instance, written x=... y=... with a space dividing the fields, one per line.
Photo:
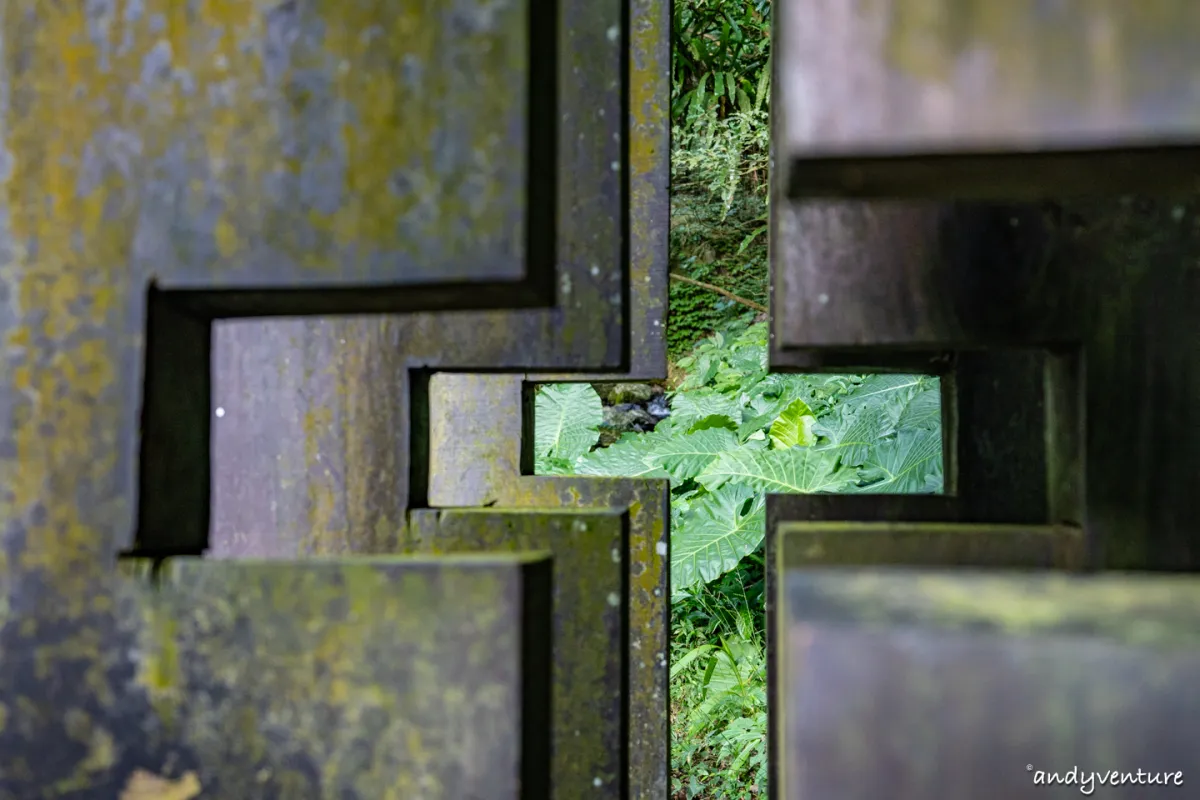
x=647 y=93
x=228 y=241
x=383 y=68
x=99 y=755
x=368 y=434
x=587 y=668
x=159 y=668
x=321 y=499
x=68 y=278
x=329 y=659
x=649 y=204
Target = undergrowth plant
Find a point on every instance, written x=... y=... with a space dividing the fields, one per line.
x=720 y=102
x=718 y=688
x=720 y=52
x=736 y=433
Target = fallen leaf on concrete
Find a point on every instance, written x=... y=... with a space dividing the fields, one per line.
x=145 y=786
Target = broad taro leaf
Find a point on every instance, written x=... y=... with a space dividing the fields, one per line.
x=935 y=481
x=902 y=465
x=544 y=465
x=716 y=532
x=750 y=361
x=688 y=408
x=766 y=407
x=566 y=421
x=685 y=457
x=850 y=433
x=882 y=390
x=713 y=421
x=794 y=427
x=702 y=368
x=924 y=409
x=797 y=470
x=628 y=457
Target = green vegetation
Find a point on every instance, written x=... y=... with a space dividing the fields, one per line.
x=720 y=147
x=735 y=432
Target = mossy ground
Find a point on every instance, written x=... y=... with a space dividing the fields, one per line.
x=711 y=246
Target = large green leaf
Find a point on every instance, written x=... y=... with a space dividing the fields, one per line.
x=701 y=367
x=566 y=421
x=545 y=465
x=772 y=398
x=716 y=532
x=684 y=457
x=748 y=361
x=935 y=480
x=629 y=457
x=688 y=408
x=798 y=470
x=794 y=427
x=714 y=421
x=924 y=410
x=850 y=432
x=902 y=465
x=737 y=433
x=882 y=390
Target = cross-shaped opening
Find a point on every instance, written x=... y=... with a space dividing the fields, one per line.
x=726 y=432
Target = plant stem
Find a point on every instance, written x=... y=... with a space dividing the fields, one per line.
x=748 y=303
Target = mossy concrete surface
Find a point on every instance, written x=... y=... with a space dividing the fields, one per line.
x=365 y=678
x=590 y=649
x=475 y=425
x=857 y=544
x=966 y=683
x=254 y=155
x=1012 y=98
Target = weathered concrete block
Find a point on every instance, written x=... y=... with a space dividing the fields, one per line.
x=974 y=98
x=928 y=544
x=475 y=439
x=917 y=684
x=372 y=678
x=590 y=633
